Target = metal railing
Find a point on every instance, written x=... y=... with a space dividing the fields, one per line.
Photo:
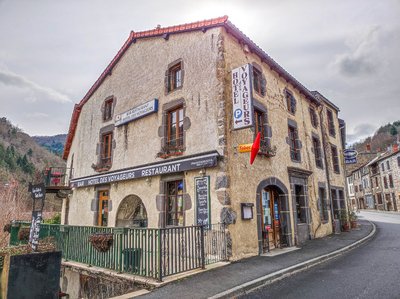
x=57 y=176
x=148 y=252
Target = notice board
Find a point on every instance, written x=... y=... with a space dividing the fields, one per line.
x=202 y=194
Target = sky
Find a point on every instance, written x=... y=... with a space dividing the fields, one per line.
x=51 y=52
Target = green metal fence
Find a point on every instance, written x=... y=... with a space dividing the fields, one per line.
x=141 y=251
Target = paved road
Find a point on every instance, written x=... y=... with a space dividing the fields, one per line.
x=369 y=271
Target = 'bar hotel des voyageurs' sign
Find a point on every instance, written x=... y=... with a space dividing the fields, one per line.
x=242 y=97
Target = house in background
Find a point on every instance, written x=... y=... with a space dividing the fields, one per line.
x=157 y=142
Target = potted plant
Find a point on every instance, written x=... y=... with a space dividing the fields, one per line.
x=101 y=241
x=353 y=219
x=344 y=221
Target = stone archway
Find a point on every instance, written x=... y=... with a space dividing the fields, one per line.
x=285 y=223
x=131 y=212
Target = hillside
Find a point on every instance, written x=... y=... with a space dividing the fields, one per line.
x=22 y=161
x=368 y=148
x=54 y=144
x=20 y=156
x=384 y=137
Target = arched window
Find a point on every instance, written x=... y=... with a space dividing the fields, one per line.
x=131 y=212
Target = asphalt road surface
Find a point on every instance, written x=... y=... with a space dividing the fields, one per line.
x=369 y=271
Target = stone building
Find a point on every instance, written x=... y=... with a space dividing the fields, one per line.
x=389 y=177
x=157 y=141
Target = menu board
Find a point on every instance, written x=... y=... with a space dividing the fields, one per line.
x=202 y=193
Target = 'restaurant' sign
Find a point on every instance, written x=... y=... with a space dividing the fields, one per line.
x=242 y=97
x=178 y=165
x=137 y=112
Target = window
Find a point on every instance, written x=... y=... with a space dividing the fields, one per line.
x=331 y=123
x=385 y=183
x=335 y=159
x=174 y=77
x=379 y=195
x=174 y=203
x=108 y=109
x=323 y=212
x=106 y=149
x=257 y=80
x=356 y=188
x=376 y=182
x=317 y=152
x=102 y=219
x=398 y=161
x=175 y=128
x=259 y=123
x=294 y=144
x=391 y=181
x=300 y=204
x=313 y=117
x=387 y=165
x=383 y=167
x=291 y=102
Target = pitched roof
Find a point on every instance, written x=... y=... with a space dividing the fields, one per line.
x=165 y=32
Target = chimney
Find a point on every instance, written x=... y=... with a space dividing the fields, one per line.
x=395 y=147
x=368 y=146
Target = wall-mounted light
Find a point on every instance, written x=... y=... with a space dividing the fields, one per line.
x=148 y=181
x=247 y=210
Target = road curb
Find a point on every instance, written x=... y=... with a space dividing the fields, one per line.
x=272 y=277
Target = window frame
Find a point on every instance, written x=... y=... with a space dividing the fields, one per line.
x=257 y=81
x=108 y=109
x=313 y=117
x=101 y=199
x=106 y=149
x=176 y=211
x=335 y=159
x=179 y=134
x=293 y=135
x=331 y=122
x=317 y=152
x=391 y=182
x=291 y=102
x=172 y=82
x=324 y=212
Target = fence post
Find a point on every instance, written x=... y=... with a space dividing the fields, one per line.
x=202 y=247
x=159 y=256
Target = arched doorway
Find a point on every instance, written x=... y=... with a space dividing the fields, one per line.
x=273 y=215
x=131 y=212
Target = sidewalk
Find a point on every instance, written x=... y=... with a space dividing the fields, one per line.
x=235 y=278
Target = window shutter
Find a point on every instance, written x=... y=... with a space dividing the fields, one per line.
x=263 y=85
x=299 y=145
x=293 y=104
x=167 y=81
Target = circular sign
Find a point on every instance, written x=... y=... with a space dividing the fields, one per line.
x=238 y=113
x=350 y=153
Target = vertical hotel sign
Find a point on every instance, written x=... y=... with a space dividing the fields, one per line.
x=242 y=97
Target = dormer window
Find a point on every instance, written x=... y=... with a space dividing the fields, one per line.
x=108 y=109
x=175 y=77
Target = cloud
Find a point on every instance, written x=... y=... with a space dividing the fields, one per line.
x=360 y=132
x=362 y=59
x=12 y=79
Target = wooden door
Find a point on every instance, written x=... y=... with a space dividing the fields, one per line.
x=270 y=219
x=103 y=208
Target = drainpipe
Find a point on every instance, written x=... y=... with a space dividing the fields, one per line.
x=326 y=165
